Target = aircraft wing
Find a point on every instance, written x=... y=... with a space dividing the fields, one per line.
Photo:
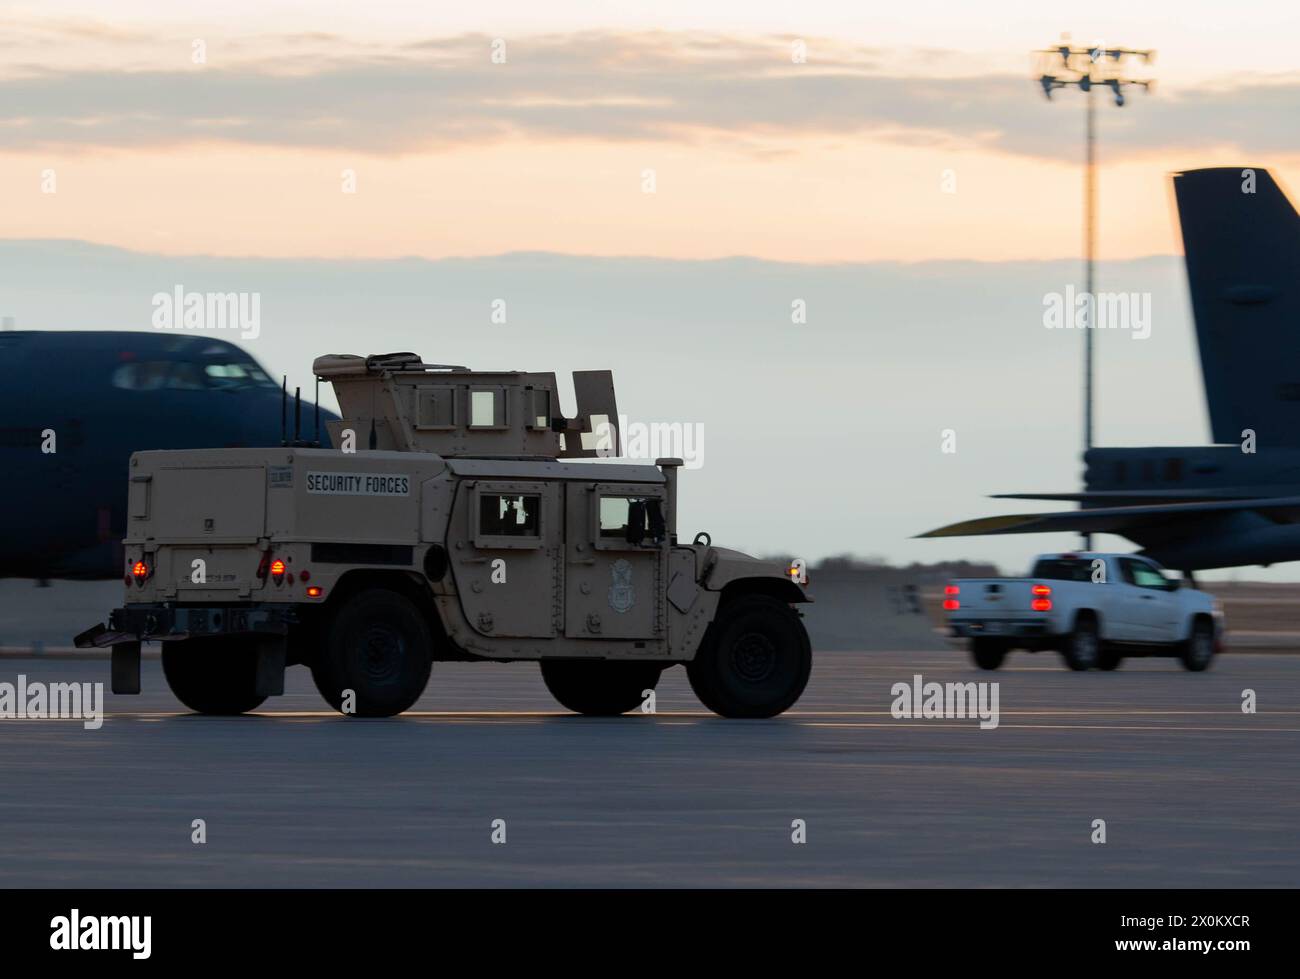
x=1120 y=520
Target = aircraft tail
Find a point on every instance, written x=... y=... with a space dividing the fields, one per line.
x=1241 y=238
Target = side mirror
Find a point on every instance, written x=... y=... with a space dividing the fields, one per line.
x=658 y=527
x=636 y=514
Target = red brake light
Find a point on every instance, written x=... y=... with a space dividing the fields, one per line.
x=1041 y=589
x=139 y=571
x=1041 y=605
x=951 y=605
x=951 y=590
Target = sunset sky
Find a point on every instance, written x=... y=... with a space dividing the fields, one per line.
x=837 y=159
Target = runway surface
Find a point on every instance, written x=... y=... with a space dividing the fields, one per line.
x=1193 y=791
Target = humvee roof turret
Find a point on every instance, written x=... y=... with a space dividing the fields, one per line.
x=446 y=522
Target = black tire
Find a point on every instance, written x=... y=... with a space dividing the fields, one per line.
x=1198 y=650
x=213 y=676
x=988 y=654
x=754 y=660
x=1083 y=645
x=377 y=645
x=1109 y=658
x=600 y=687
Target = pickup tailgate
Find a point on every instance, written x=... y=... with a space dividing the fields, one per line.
x=991 y=598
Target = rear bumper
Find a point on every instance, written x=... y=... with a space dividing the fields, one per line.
x=136 y=623
x=999 y=628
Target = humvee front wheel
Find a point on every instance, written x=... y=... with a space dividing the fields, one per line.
x=754 y=661
x=376 y=657
x=600 y=687
x=213 y=676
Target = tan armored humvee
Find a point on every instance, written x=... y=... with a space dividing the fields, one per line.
x=445 y=524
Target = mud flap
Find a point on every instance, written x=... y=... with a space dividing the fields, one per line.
x=270 y=668
x=126 y=667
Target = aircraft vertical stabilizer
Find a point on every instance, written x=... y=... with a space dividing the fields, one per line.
x=1241 y=236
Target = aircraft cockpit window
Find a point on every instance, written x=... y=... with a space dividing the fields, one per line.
x=141 y=375
x=236 y=376
x=186 y=375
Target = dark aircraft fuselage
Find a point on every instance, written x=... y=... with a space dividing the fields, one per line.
x=94 y=398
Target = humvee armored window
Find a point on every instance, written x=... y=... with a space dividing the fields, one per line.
x=458 y=517
x=508 y=516
x=487 y=408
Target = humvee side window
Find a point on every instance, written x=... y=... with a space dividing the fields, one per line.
x=613 y=516
x=501 y=515
x=643 y=515
x=487 y=408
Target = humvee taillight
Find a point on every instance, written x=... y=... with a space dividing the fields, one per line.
x=140 y=572
x=277 y=571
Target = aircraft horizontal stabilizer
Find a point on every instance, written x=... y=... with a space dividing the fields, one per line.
x=1133 y=497
x=1118 y=520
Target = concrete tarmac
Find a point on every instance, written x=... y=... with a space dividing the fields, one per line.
x=1193 y=791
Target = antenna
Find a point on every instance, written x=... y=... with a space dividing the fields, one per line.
x=317 y=411
x=284 y=408
x=297 y=416
x=374 y=439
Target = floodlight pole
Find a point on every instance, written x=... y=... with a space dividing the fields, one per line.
x=1090 y=253
x=1087 y=68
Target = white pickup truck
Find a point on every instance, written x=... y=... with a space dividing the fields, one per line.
x=1095 y=609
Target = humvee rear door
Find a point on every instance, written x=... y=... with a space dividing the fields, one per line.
x=505 y=544
x=613 y=587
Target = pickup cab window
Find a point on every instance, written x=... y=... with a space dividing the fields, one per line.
x=1145 y=575
x=1062 y=569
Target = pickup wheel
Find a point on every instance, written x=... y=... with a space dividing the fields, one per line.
x=376 y=657
x=213 y=676
x=754 y=660
x=600 y=688
x=988 y=654
x=1198 y=651
x=1083 y=645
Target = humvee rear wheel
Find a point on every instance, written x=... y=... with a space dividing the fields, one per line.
x=754 y=661
x=376 y=655
x=213 y=676
x=601 y=687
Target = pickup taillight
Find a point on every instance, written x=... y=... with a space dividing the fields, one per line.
x=1041 y=602
x=950 y=602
